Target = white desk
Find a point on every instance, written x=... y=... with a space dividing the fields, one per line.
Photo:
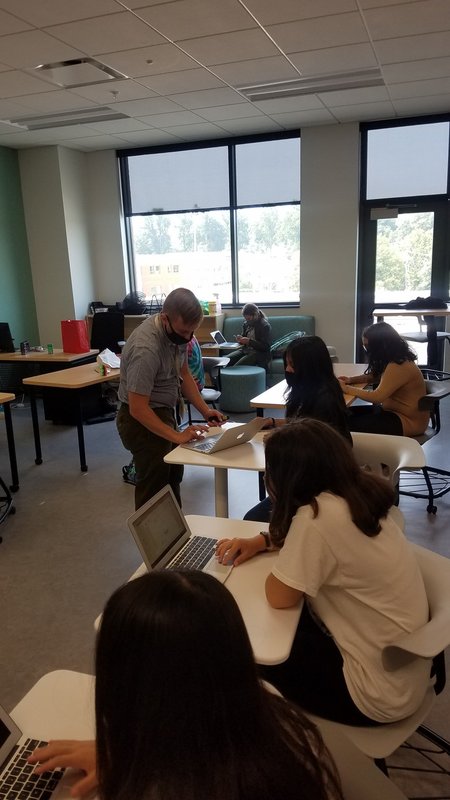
x=249 y=456
x=271 y=631
x=61 y=706
x=429 y=315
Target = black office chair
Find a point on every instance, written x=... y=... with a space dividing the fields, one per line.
x=107 y=331
x=6 y=503
x=429 y=483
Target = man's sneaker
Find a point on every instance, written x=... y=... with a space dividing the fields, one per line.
x=129 y=473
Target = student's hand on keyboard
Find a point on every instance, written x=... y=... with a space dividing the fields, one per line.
x=192 y=432
x=237 y=551
x=71 y=753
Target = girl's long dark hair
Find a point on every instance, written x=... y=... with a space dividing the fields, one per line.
x=180 y=711
x=251 y=308
x=309 y=457
x=313 y=381
x=385 y=345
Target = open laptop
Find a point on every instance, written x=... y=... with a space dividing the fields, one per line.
x=215 y=442
x=165 y=541
x=220 y=340
x=16 y=776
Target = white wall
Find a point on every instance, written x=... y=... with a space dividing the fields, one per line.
x=75 y=230
x=329 y=231
x=40 y=175
x=107 y=229
x=73 y=168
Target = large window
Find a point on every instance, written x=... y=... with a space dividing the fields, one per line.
x=222 y=219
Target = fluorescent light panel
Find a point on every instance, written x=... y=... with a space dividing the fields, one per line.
x=296 y=87
x=80 y=117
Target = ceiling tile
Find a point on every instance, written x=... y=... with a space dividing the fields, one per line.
x=226 y=47
x=366 y=111
x=437 y=104
x=311 y=34
x=415 y=18
x=209 y=97
x=190 y=80
x=116 y=126
x=297 y=119
x=334 y=59
x=163 y=58
x=415 y=70
x=141 y=108
x=185 y=19
x=9 y=109
x=377 y=3
x=31 y=48
x=431 y=45
x=17 y=83
x=148 y=139
x=103 y=34
x=369 y=94
x=10 y=24
x=99 y=142
x=104 y=93
x=230 y=112
x=258 y=70
x=52 y=12
x=193 y=132
x=421 y=88
x=250 y=125
x=46 y=102
x=268 y=12
x=282 y=105
x=175 y=118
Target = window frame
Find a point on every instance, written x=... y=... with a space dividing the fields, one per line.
x=230 y=143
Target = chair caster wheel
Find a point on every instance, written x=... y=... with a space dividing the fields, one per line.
x=431 y=509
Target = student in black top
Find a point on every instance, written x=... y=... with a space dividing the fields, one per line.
x=313 y=391
x=256 y=339
x=180 y=712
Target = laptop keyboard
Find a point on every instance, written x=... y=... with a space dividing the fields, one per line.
x=207 y=445
x=20 y=783
x=196 y=554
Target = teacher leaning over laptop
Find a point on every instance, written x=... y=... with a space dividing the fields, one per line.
x=154 y=376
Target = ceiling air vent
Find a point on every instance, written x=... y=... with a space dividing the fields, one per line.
x=77 y=72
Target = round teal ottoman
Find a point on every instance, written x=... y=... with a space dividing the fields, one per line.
x=239 y=386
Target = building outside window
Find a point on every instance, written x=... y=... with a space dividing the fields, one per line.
x=222 y=219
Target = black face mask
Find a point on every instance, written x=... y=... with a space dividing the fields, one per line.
x=290 y=379
x=175 y=337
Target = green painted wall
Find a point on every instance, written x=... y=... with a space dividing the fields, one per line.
x=17 y=306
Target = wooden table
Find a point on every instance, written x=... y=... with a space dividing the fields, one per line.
x=58 y=356
x=274 y=397
x=5 y=400
x=430 y=315
x=35 y=362
x=75 y=379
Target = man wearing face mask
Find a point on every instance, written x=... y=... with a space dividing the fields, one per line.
x=154 y=376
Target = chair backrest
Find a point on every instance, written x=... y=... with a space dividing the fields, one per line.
x=107 y=331
x=372 y=450
x=433 y=637
x=212 y=366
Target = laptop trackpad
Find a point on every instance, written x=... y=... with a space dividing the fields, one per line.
x=217 y=570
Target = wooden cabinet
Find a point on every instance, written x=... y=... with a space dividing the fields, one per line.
x=212 y=322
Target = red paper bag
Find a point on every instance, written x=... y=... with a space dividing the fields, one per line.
x=74 y=336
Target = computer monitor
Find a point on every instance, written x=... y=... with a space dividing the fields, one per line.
x=6 y=341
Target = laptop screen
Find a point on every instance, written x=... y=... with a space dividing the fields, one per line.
x=6 y=342
x=158 y=526
x=219 y=337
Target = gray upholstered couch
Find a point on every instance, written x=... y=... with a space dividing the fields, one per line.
x=280 y=327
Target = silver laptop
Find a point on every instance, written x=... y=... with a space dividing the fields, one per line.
x=16 y=776
x=165 y=541
x=215 y=442
x=220 y=340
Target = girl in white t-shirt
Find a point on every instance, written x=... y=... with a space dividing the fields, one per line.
x=341 y=552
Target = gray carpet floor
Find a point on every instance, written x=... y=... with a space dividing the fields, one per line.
x=68 y=547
